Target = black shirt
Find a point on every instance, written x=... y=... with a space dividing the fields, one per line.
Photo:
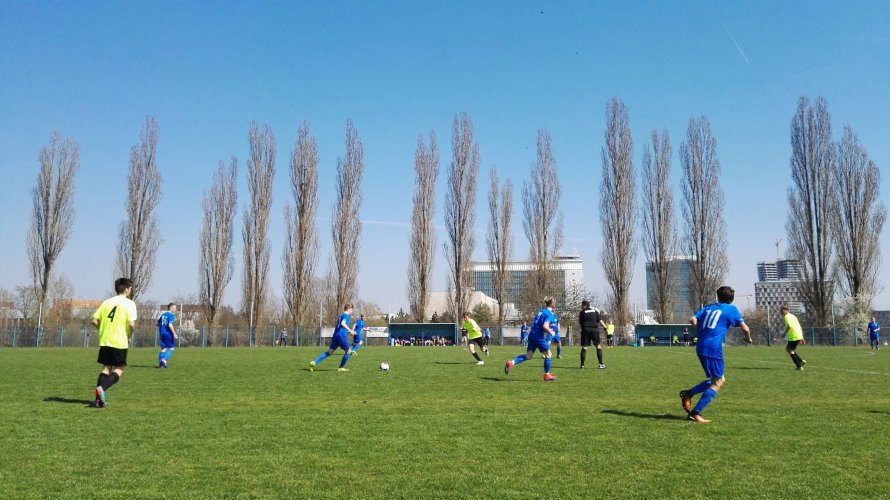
x=589 y=319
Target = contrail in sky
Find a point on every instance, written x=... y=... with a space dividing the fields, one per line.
x=742 y=52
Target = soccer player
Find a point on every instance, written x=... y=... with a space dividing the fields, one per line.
x=357 y=340
x=874 y=338
x=474 y=337
x=167 y=333
x=589 y=319
x=486 y=336
x=282 y=337
x=610 y=333
x=523 y=334
x=795 y=337
x=554 y=327
x=340 y=339
x=115 y=319
x=538 y=340
x=712 y=322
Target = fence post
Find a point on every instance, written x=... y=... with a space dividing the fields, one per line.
x=833 y=337
x=227 y=335
x=85 y=345
x=61 y=336
x=14 y=332
x=37 y=337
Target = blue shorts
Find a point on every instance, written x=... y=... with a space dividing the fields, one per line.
x=357 y=338
x=167 y=341
x=538 y=343
x=874 y=336
x=713 y=366
x=555 y=338
x=340 y=340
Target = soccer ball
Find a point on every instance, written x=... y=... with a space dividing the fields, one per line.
x=384 y=367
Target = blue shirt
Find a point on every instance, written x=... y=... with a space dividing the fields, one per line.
x=344 y=316
x=874 y=328
x=165 y=321
x=358 y=327
x=544 y=316
x=524 y=330
x=486 y=332
x=714 y=321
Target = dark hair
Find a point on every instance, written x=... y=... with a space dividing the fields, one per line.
x=548 y=301
x=784 y=308
x=585 y=304
x=725 y=294
x=170 y=305
x=121 y=284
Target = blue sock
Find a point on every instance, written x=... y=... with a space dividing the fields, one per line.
x=161 y=357
x=322 y=357
x=705 y=400
x=169 y=354
x=547 y=365
x=355 y=347
x=700 y=388
x=520 y=359
x=344 y=360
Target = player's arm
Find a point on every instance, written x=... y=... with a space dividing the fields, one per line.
x=94 y=322
x=172 y=329
x=693 y=321
x=346 y=326
x=744 y=327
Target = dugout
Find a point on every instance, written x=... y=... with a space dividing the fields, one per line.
x=424 y=331
x=663 y=334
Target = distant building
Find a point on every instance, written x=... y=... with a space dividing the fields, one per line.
x=568 y=272
x=779 y=284
x=680 y=279
x=787 y=269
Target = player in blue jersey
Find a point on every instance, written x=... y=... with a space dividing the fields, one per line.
x=874 y=338
x=538 y=340
x=486 y=338
x=523 y=334
x=554 y=327
x=357 y=340
x=712 y=322
x=167 y=334
x=340 y=339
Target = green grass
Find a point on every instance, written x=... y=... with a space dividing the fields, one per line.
x=253 y=422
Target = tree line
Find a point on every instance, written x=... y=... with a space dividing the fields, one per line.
x=834 y=219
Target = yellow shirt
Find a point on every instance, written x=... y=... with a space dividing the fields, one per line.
x=114 y=317
x=610 y=329
x=792 y=325
x=472 y=328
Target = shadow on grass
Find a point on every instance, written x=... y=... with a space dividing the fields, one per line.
x=664 y=416
x=453 y=362
x=500 y=379
x=142 y=366
x=56 y=399
x=880 y=412
x=756 y=368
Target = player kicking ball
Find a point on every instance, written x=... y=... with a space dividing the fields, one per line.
x=340 y=339
x=712 y=321
x=538 y=340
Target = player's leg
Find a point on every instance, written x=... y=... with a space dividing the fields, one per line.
x=343 y=343
x=168 y=355
x=599 y=356
x=548 y=364
x=161 y=356
x=472 y=346
x=714 y=370
x=791 y=348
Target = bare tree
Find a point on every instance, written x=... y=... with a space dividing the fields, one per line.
x=860 y=220
x=139 y=234
x=52 y=212
x=260 y=175
x=423 y=235
x=705 y=230
x=346 y=227
x=500 y=238
x=301 y=238
x=812 y=203
x=659 y=232
x=217 y=261
x=460 y=213
x=542 y=220
x=618 y=210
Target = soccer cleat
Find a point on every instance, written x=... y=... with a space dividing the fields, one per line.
x=686 y=401
x=342 y=369
x=100 y=397
x=480 y=362
x=803 y=362
x=559 y=356
x=601 y=366
x=548 y=377
x=508 y=366
x=695 y=417
x=312 y=366
x=487 y=353
x=800 y=368
x=583 y=367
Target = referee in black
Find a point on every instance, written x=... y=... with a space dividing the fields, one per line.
x=590 y=321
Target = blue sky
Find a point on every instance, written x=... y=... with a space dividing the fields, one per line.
x=204 y=70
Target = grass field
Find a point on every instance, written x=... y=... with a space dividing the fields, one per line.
x=253 y=422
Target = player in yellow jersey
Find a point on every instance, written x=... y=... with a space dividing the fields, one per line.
x=474 y=337
x=115 y=319
x=795 y=337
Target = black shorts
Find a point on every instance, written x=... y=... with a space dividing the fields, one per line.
x=110 y=356
x=478 y=341
x=792 y=345
x=590 y=338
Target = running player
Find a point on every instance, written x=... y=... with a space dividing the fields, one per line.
x=523 y=334
x=357 y=338
x=538 y=340
x=712 y=322
x=115 y=319
x=474 y=337
x=874 y=338
x=554 y=327
x=167 y=334
x=589 y=319
x=340 y=339
x=795 y=337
